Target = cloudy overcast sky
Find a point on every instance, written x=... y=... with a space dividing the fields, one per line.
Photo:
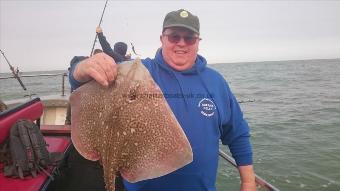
x=45 y=35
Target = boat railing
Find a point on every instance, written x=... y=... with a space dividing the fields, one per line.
x=63 y=75
x=263 y=184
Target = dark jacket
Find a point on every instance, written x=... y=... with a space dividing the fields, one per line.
x=118 y=54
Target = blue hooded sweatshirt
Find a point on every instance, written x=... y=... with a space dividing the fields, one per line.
x=207 y=111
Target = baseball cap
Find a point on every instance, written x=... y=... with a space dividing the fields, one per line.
x=182 y=18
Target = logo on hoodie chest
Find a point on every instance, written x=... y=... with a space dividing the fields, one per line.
x=207 y=107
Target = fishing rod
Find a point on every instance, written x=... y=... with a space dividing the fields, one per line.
x=15 y=73
x=100 y=22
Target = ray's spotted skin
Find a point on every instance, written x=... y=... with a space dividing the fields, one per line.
x=128 y=126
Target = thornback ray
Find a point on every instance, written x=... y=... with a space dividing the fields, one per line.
x=128 y=126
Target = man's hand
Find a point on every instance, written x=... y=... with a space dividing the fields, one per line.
x=247 y=178
x=99 y=29
x=99 y=67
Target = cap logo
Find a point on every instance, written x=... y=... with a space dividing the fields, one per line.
x=184 y=14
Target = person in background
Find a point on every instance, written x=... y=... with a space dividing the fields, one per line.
x=206 y=109
x=128 y=56
x=96 y=51
x=3 y=106
x=119 y=49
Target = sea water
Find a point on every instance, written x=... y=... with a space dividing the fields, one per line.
x=293 y=110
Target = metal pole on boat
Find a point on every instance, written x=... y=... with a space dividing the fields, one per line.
x=63 y=84
x=100 y=22
x=15 y=73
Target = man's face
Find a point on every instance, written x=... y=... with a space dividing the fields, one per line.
x=179 y=47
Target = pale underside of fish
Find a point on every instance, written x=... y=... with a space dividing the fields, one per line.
x=128 y=126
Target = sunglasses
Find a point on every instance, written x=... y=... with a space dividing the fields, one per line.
x=188 y=39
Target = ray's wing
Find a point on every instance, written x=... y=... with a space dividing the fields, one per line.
x=155 y=142
x=143 y=139
x=86 y=107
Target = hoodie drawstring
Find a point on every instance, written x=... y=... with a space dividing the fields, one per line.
x=182 y=91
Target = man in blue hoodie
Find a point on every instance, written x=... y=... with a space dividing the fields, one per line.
x=199 y=97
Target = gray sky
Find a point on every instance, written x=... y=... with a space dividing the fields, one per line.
x=45 y=35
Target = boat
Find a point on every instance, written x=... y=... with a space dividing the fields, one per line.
x=50 y=113
x=55 y=137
